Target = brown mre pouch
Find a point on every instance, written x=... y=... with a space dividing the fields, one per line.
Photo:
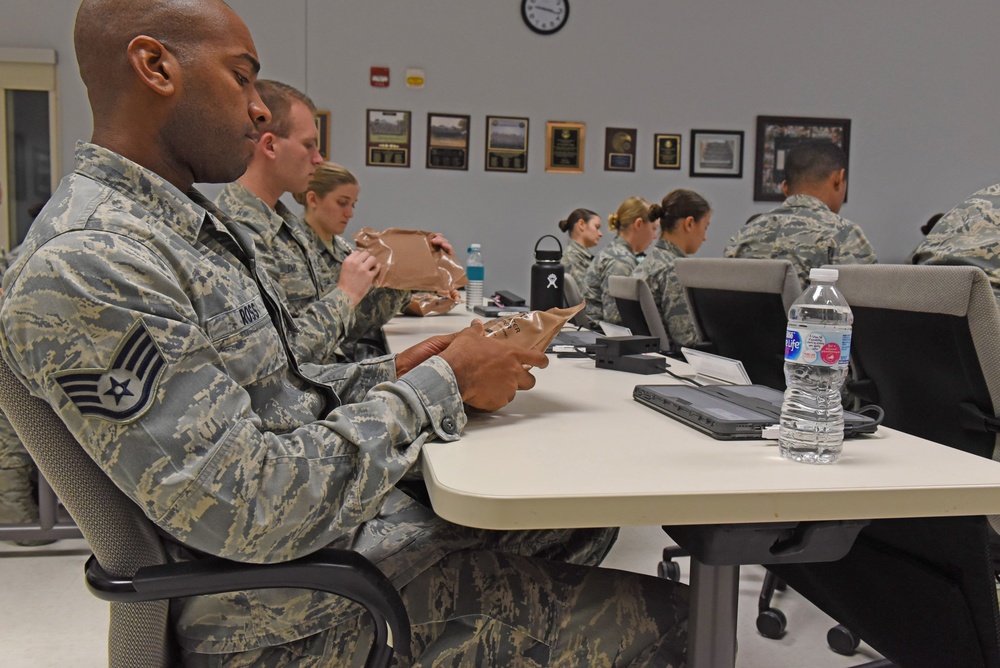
x=410 y=262
x=532 y=329
x=428 y=303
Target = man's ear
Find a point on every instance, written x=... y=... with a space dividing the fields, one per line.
x=784 y=188
x=266 y=144
x=155 y=66
x=838 y=179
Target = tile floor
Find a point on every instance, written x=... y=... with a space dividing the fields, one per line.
x=48 y=619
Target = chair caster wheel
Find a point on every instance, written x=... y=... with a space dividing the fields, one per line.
x=842 y=640
x=669 y=570
x=771 y=623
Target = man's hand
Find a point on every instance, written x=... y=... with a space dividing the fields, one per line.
x=422 y=352
x=357 y=275
x=490 y=371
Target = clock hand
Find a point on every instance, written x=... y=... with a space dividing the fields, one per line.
x=548 y=9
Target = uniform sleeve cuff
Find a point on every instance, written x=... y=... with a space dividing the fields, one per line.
x=436 y=387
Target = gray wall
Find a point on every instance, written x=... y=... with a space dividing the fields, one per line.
x=918 y=79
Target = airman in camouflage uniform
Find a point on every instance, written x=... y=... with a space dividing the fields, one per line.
x=376 y=308
x=807 y=229
x=577 y=260
x=969 y=234
x=323 y=318
x=636 y=228
x=174 y=372
x=617 y=259
x=657 y=270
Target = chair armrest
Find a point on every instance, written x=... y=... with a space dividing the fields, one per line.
x=341 y=572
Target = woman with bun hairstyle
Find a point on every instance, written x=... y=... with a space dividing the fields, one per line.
x=584 y=229
x=686 y=216
x=329 y=203
x=637 y=225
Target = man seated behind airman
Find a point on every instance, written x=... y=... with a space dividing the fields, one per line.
x=807 y=228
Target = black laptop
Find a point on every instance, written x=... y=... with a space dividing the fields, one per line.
x=730 y=412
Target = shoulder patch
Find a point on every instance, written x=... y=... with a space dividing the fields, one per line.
x=123 y=391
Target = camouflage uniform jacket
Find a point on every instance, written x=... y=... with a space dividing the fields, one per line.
x=577 y=261
x=617 y=259
x=376 y=308
x=969 y=234
x=805 y=231
x=657 y=270
x=322 y=317
x=131 y=310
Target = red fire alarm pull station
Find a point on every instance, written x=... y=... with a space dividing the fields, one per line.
x=380 y=77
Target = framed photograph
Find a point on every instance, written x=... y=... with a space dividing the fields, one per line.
x=777 y=134
x=322 y=118
x=619 y=149
x=506 y=144
x=388 y=138
x=564 y=143
x=447 y=141
x=717 y=153
x=667 y=152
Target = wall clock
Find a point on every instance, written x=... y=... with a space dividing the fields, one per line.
x=545 y=16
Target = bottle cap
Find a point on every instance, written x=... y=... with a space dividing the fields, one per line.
x=826 y=275
x=474 y=247
x=548 y=255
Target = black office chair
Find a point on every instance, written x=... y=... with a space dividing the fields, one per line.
x=638 y=309
x=926 y=346
x=740 y=307
x=129 y=565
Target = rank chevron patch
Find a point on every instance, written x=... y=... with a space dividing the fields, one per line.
x=124 y=390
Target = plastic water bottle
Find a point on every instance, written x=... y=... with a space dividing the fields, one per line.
x=475 y=271
x=817 y=350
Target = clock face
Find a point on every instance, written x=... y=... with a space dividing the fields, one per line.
x=545 y=16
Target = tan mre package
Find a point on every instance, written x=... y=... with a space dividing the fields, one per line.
x=410 y=261
x=532 y=329
x=426 y=304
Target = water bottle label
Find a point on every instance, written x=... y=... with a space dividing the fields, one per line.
x=817 y=345
x=475 y=273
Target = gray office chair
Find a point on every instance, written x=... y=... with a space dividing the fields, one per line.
x=740 y=307
x=638 y=309
x=572 y=297
x=926 y=346
x=52 y=523
x=129 y=565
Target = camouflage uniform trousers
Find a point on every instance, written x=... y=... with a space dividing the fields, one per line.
x=480 y=609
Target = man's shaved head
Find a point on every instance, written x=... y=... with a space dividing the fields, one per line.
x=104 y=29
x=171 y=85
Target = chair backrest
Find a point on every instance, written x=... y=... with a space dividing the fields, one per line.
x=740 y=306
x=572 y=296
x=638 y=309
x=121 y=537
x=927 y=341
x=927 y=338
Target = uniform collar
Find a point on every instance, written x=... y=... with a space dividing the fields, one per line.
x=620 y=241
x=248 y=209
x=182 y=213
x=806 y=202
x=573 y=243
x=670 y=247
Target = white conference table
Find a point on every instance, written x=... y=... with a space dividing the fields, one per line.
x=578 y=451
